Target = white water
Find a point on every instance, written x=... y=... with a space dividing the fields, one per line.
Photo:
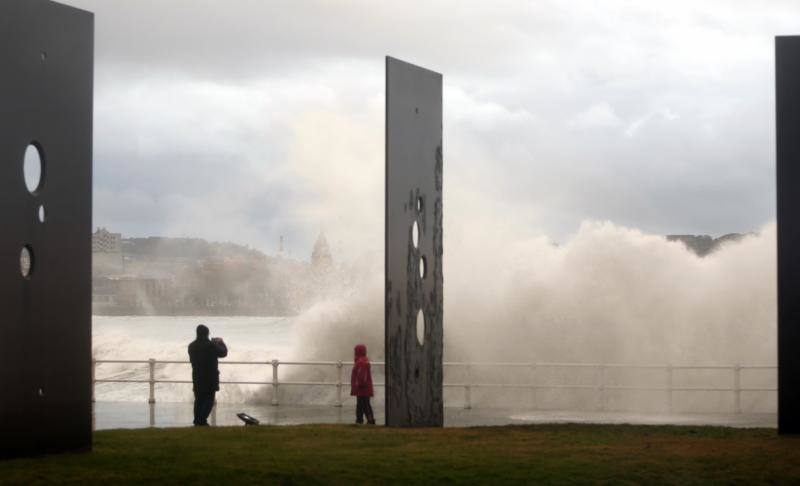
x=608 y=295
x=167 y=338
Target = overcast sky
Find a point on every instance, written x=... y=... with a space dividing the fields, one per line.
x=244 y=120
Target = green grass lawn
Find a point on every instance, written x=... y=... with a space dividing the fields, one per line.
x=338 y=454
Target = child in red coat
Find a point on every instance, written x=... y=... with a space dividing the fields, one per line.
x=361 y=385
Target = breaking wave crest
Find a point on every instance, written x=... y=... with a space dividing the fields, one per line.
x=609 y=294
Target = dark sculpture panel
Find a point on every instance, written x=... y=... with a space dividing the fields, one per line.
x=414 y=332
x=787 y=110
x=46 y=57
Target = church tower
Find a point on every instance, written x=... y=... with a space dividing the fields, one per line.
x=321 y=258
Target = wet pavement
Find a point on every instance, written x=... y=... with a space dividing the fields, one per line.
x=116 y=415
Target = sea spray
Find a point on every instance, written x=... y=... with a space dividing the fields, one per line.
x=166 y=338
x=607 y=295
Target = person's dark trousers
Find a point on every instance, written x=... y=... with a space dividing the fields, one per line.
x=203 y=403
x=364 y=408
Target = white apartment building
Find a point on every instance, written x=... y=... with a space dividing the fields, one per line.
x=104 y=241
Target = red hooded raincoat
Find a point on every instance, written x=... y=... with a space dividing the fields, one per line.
x=361 y=377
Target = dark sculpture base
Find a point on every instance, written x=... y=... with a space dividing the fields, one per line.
x=46 y=56
x=414 y=332
x=787 y=108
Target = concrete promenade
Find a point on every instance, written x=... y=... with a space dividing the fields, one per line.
x=115 y=415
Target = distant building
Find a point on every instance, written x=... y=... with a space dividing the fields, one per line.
x=104 y=241
x=107 y=257
x=130 y=294
x=321 y=254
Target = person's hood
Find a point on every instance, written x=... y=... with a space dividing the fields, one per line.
x=202 y=332
x=360 y=351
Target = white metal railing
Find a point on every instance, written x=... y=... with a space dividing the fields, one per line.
x=601 y=386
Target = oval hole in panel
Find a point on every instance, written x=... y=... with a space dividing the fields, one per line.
x=26 y=261
x=33 y=168
x=421 y=327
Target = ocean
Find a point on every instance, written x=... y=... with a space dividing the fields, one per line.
x=167 y=337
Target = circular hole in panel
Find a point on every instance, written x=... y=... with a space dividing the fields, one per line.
x=421 y=327
x=423 y=267
x=40 y=392
x=419 y=204
x=26 y=261
x=415 y=234
x=41 y=213
x=33 y=168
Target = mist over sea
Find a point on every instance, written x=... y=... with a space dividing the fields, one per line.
x=608 y=295
x=167 y=338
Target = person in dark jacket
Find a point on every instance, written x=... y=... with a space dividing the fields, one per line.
x=361 y=385
x=203 y=353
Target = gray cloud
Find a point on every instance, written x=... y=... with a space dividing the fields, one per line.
x=245 y=120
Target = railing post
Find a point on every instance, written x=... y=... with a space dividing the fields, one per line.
x=669 y=387
x=467 y=391
x=94 y=365
x=339 y=385
x=275 y=382
x=737 y=385
x=533 y=387
x=152 y=364
x=602 y=388
x=152 y=410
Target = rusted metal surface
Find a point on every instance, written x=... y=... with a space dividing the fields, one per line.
x=413 y=245
x=787 y=109
x=46 y=54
